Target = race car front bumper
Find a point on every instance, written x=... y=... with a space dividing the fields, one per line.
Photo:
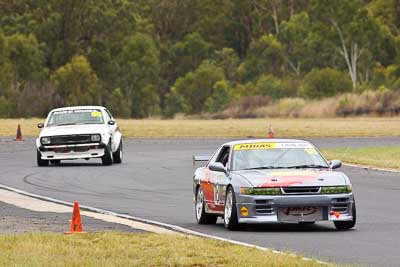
x=264 y=209
x=72 y=151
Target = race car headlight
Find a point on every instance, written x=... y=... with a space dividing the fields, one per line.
x=260 y=191
x=336 y=189
x=95 y=138
x=45 y=140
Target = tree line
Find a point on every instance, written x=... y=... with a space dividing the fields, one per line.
x=161 y=57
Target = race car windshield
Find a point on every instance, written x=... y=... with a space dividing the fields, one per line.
x=277 y=157
x=76 y=116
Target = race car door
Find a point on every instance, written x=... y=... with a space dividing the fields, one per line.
x=215 y=198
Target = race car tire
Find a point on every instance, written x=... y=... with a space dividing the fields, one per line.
x=200 y=211
x=107 y=158
x=41 y=162
x=55 y=162
x=345 y=225
x=118 y=155
x=230 y=212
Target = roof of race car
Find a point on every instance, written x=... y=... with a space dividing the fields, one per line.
x=78 y=107
x=254 y=141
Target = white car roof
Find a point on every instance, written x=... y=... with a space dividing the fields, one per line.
x=78 y=107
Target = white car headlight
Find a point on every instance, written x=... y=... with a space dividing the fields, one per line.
x=45 y=140
x=95 y=138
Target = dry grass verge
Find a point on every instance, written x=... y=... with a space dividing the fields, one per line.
x=122 y=249
x=236 y=128
x=383 y=157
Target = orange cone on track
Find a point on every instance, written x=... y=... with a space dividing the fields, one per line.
x=270 y=133
x=76 y=224
x=19 y=134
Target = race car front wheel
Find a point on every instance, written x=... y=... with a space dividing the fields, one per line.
x=201 y=216
x=345 y=225
x=41 y=162
x=107 y=158
x=230 y=211
x=118 y=154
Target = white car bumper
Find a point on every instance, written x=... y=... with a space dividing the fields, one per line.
x=63 y=152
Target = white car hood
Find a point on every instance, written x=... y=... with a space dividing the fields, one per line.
x=74 y=129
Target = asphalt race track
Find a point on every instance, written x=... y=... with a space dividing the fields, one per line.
x=155 y=182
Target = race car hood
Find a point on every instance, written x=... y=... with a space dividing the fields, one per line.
x=73 y=129
x=292 y=177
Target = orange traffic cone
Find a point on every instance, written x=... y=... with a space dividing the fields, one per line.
x=270 y=133
x=19 y=134
x=76 y=224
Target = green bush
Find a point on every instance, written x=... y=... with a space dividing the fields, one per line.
x=220 y=97
x=270 y=86
x=174 y=103
x=325 y=82
x=195 y=87
x=5 y=107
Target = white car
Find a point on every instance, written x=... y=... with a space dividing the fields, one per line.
x=80 y=132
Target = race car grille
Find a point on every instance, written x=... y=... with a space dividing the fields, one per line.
x=71 y=139
x=301 y=190
x=75 y=149
x=340 y=208
x=340 y=205
x=264 y=207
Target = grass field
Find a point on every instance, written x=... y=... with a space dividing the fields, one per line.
x=122 y=249
x=384 y=157
x=154 y=128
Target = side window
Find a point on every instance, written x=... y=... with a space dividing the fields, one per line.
x=223 y=157
x=214 y=157
x=107 y=116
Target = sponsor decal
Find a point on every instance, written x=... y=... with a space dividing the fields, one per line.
x=96 y=114
x=254 y=146
x=299 y=211
x=77 y=111
x=244 y=211
x=270 y=145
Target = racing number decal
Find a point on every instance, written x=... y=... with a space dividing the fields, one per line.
x=96 y=114
x=213 y=190
x=219 y=184
x=218 y=194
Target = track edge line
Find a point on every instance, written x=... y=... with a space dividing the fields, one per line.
x=175 y=228
x=367 y=167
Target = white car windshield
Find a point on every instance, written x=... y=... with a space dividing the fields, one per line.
x=276 y=156
x=75 y=116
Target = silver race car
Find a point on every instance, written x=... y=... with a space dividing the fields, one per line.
x=272 y=180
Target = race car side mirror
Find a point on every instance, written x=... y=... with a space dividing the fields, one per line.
x=335 y=164
x=40 y=125
x=111 y=123
x=217 y=167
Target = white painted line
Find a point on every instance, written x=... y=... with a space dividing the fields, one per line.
x=371 y=167
x=40 y=203
x=30 y=203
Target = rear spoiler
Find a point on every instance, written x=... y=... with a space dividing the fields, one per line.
x=200 y=158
